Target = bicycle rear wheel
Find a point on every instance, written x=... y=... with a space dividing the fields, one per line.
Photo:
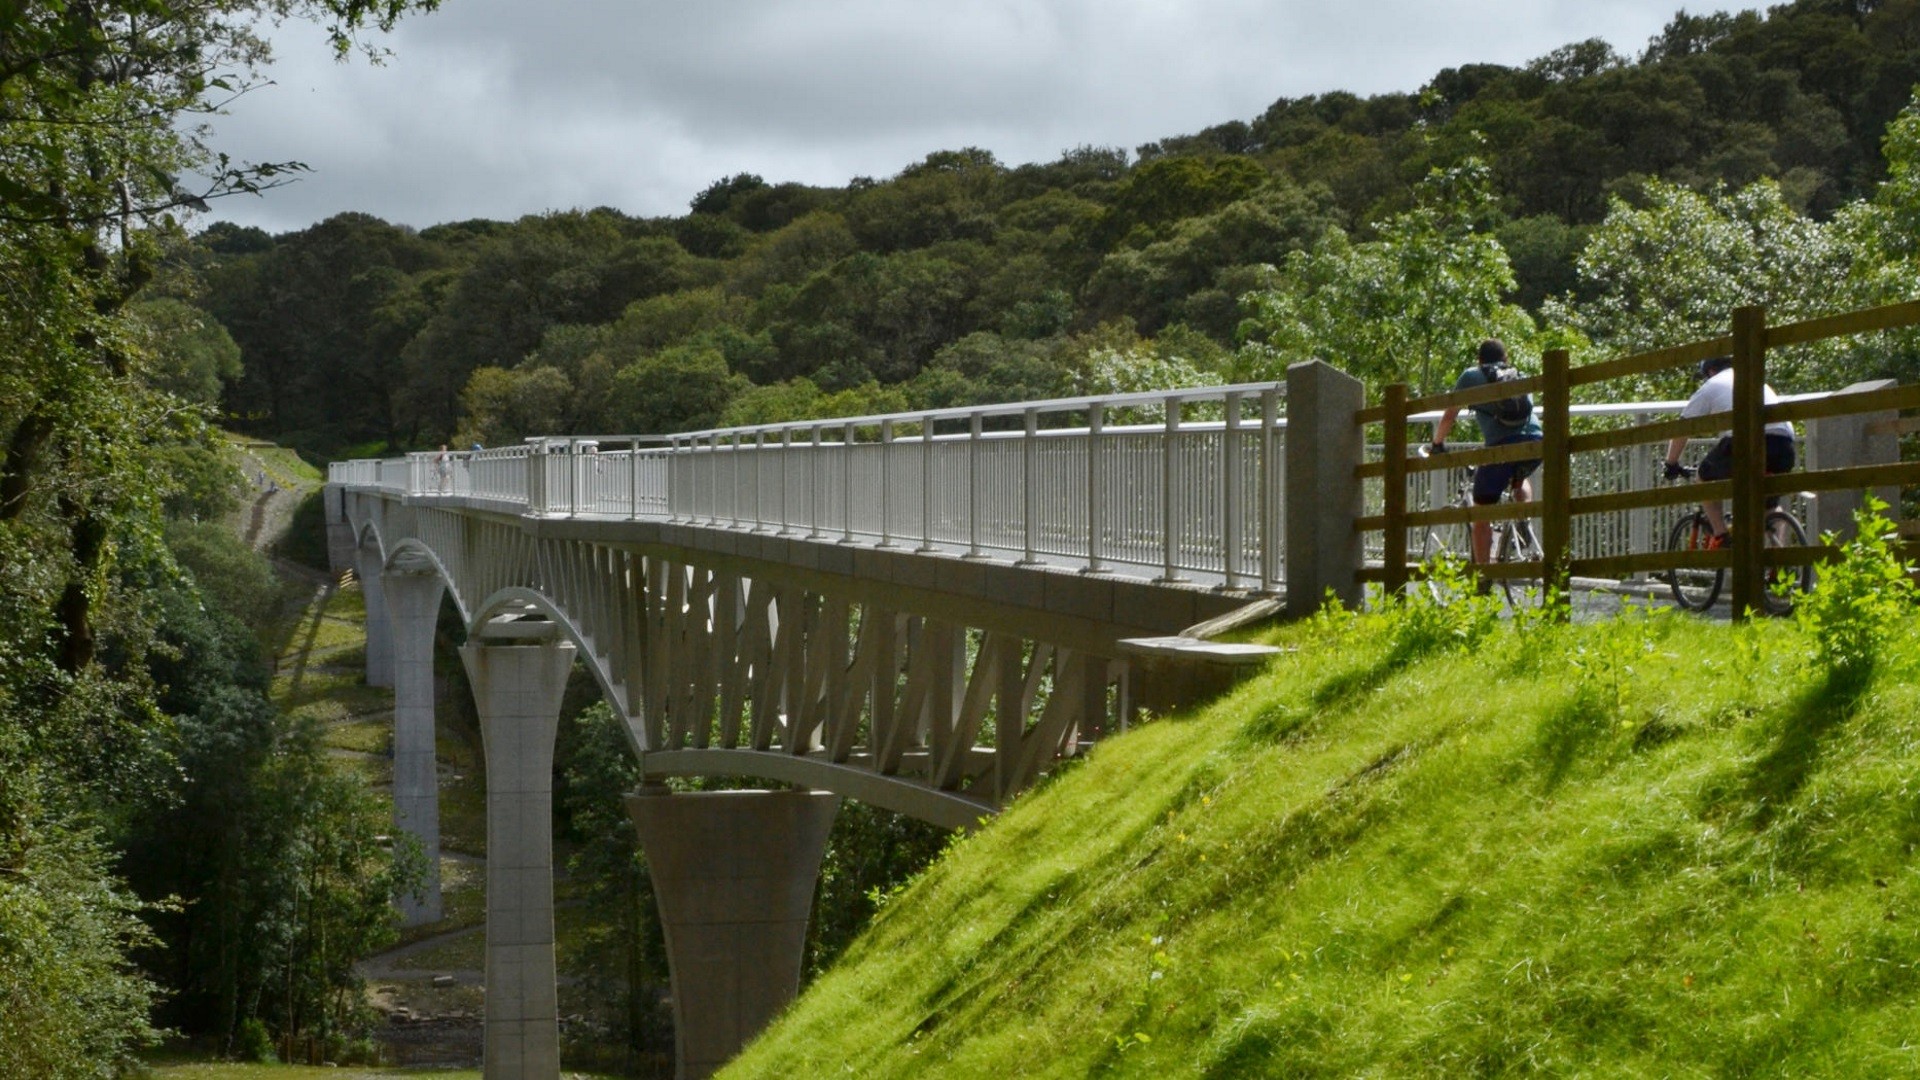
x=1443 y=542
x=1516 y=543
x=1782 y=583
x=1694 y=588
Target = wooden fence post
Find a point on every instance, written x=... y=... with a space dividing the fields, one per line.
x=1556 y=477
x=1749 y=457
x=1394 y=440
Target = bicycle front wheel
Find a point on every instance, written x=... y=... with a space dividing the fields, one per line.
x=1515 y=542
x=1443 y=542
x=1781 y=584
x=1694 y=588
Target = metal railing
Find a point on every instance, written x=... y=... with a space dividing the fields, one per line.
x=1066 y=482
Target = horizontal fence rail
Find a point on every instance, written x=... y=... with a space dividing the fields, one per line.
x=1599 y=507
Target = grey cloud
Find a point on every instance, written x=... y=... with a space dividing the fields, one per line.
x=498 y=108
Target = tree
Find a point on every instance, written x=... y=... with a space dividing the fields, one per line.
x=99 y=110
x=1672 y=268
x=684 y=388
x=1409 y=306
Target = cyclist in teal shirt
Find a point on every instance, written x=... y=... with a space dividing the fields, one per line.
x=1489 y=481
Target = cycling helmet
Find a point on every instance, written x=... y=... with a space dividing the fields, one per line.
x=1714 y=365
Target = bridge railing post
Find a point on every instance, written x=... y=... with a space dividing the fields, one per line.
x=1270 y=501
x=536 y=466
x=1231 y=508
x=1030 y=486
x=759 y=481
x=1169 y=495
x=713 y=479
x=813 y=486
x=786 y=459
x=926 y=486
x=1096 y=492
x=846 y=483
x=886 y=484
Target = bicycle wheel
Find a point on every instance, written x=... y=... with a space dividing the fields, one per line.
x=1694 y=588
x=1443 y=542
x=1782 y=583
x=1516 y=543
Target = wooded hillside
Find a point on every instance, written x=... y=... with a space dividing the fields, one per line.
x=1570 y=200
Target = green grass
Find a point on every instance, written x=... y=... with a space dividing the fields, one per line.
x=240 y=1071
x=1657 y=847
x=367 y=734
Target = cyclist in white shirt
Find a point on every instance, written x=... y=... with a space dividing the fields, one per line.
x=1716 y=396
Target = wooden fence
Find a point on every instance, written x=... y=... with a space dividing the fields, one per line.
x=1746 y=556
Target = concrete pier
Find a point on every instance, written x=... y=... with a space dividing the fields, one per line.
x=734 y=874
x=413 y=609
x=517 y=688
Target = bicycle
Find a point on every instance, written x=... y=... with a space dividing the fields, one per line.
x=1695 y=588
x=1514 y=541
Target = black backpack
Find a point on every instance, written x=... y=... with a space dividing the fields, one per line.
x=1508 y=410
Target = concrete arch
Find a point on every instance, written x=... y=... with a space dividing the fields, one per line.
x=411 y=548
x=520 y=597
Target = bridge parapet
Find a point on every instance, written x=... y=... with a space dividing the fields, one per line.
x=1180 y=485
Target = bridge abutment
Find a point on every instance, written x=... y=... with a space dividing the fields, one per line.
x=413 y=608
x=340 y=543
x=517 y=690
x=733 y=874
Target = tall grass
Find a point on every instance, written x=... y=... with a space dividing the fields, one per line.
x=1654 y=846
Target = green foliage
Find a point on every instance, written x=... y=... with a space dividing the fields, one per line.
x=1409 y=306
x=622 y=956
x=1445 y=610
x=101 y=421
x=70 y=1005
x=191 y=356
x=1463 y=867
x=232 y=577
x=1674 y=267
x=683 y=388
x=1862 y=603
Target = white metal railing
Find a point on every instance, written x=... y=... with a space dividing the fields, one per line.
x=1195 y=491
x=1059 y=482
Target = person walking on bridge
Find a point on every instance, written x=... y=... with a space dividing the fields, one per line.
x=1502 y=422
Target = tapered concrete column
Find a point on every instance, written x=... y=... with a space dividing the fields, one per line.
x=379 y=631
x=413 y=609
x=1324 y=447
x=517 y=690
x=733 y=872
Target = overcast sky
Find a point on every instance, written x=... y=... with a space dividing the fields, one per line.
x=499 y=108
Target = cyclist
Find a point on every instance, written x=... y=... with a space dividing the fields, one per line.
x=1715 y=395
x=1489 y=481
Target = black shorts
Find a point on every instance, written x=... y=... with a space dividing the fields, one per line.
x=1718 y=464
x=1491 y=481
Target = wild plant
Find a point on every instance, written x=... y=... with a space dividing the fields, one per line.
x=1862 y=599
x=1447 y=611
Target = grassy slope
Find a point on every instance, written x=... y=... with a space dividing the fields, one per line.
x=1483 y=862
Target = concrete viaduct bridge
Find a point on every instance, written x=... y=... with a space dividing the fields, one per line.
x=922 y=612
